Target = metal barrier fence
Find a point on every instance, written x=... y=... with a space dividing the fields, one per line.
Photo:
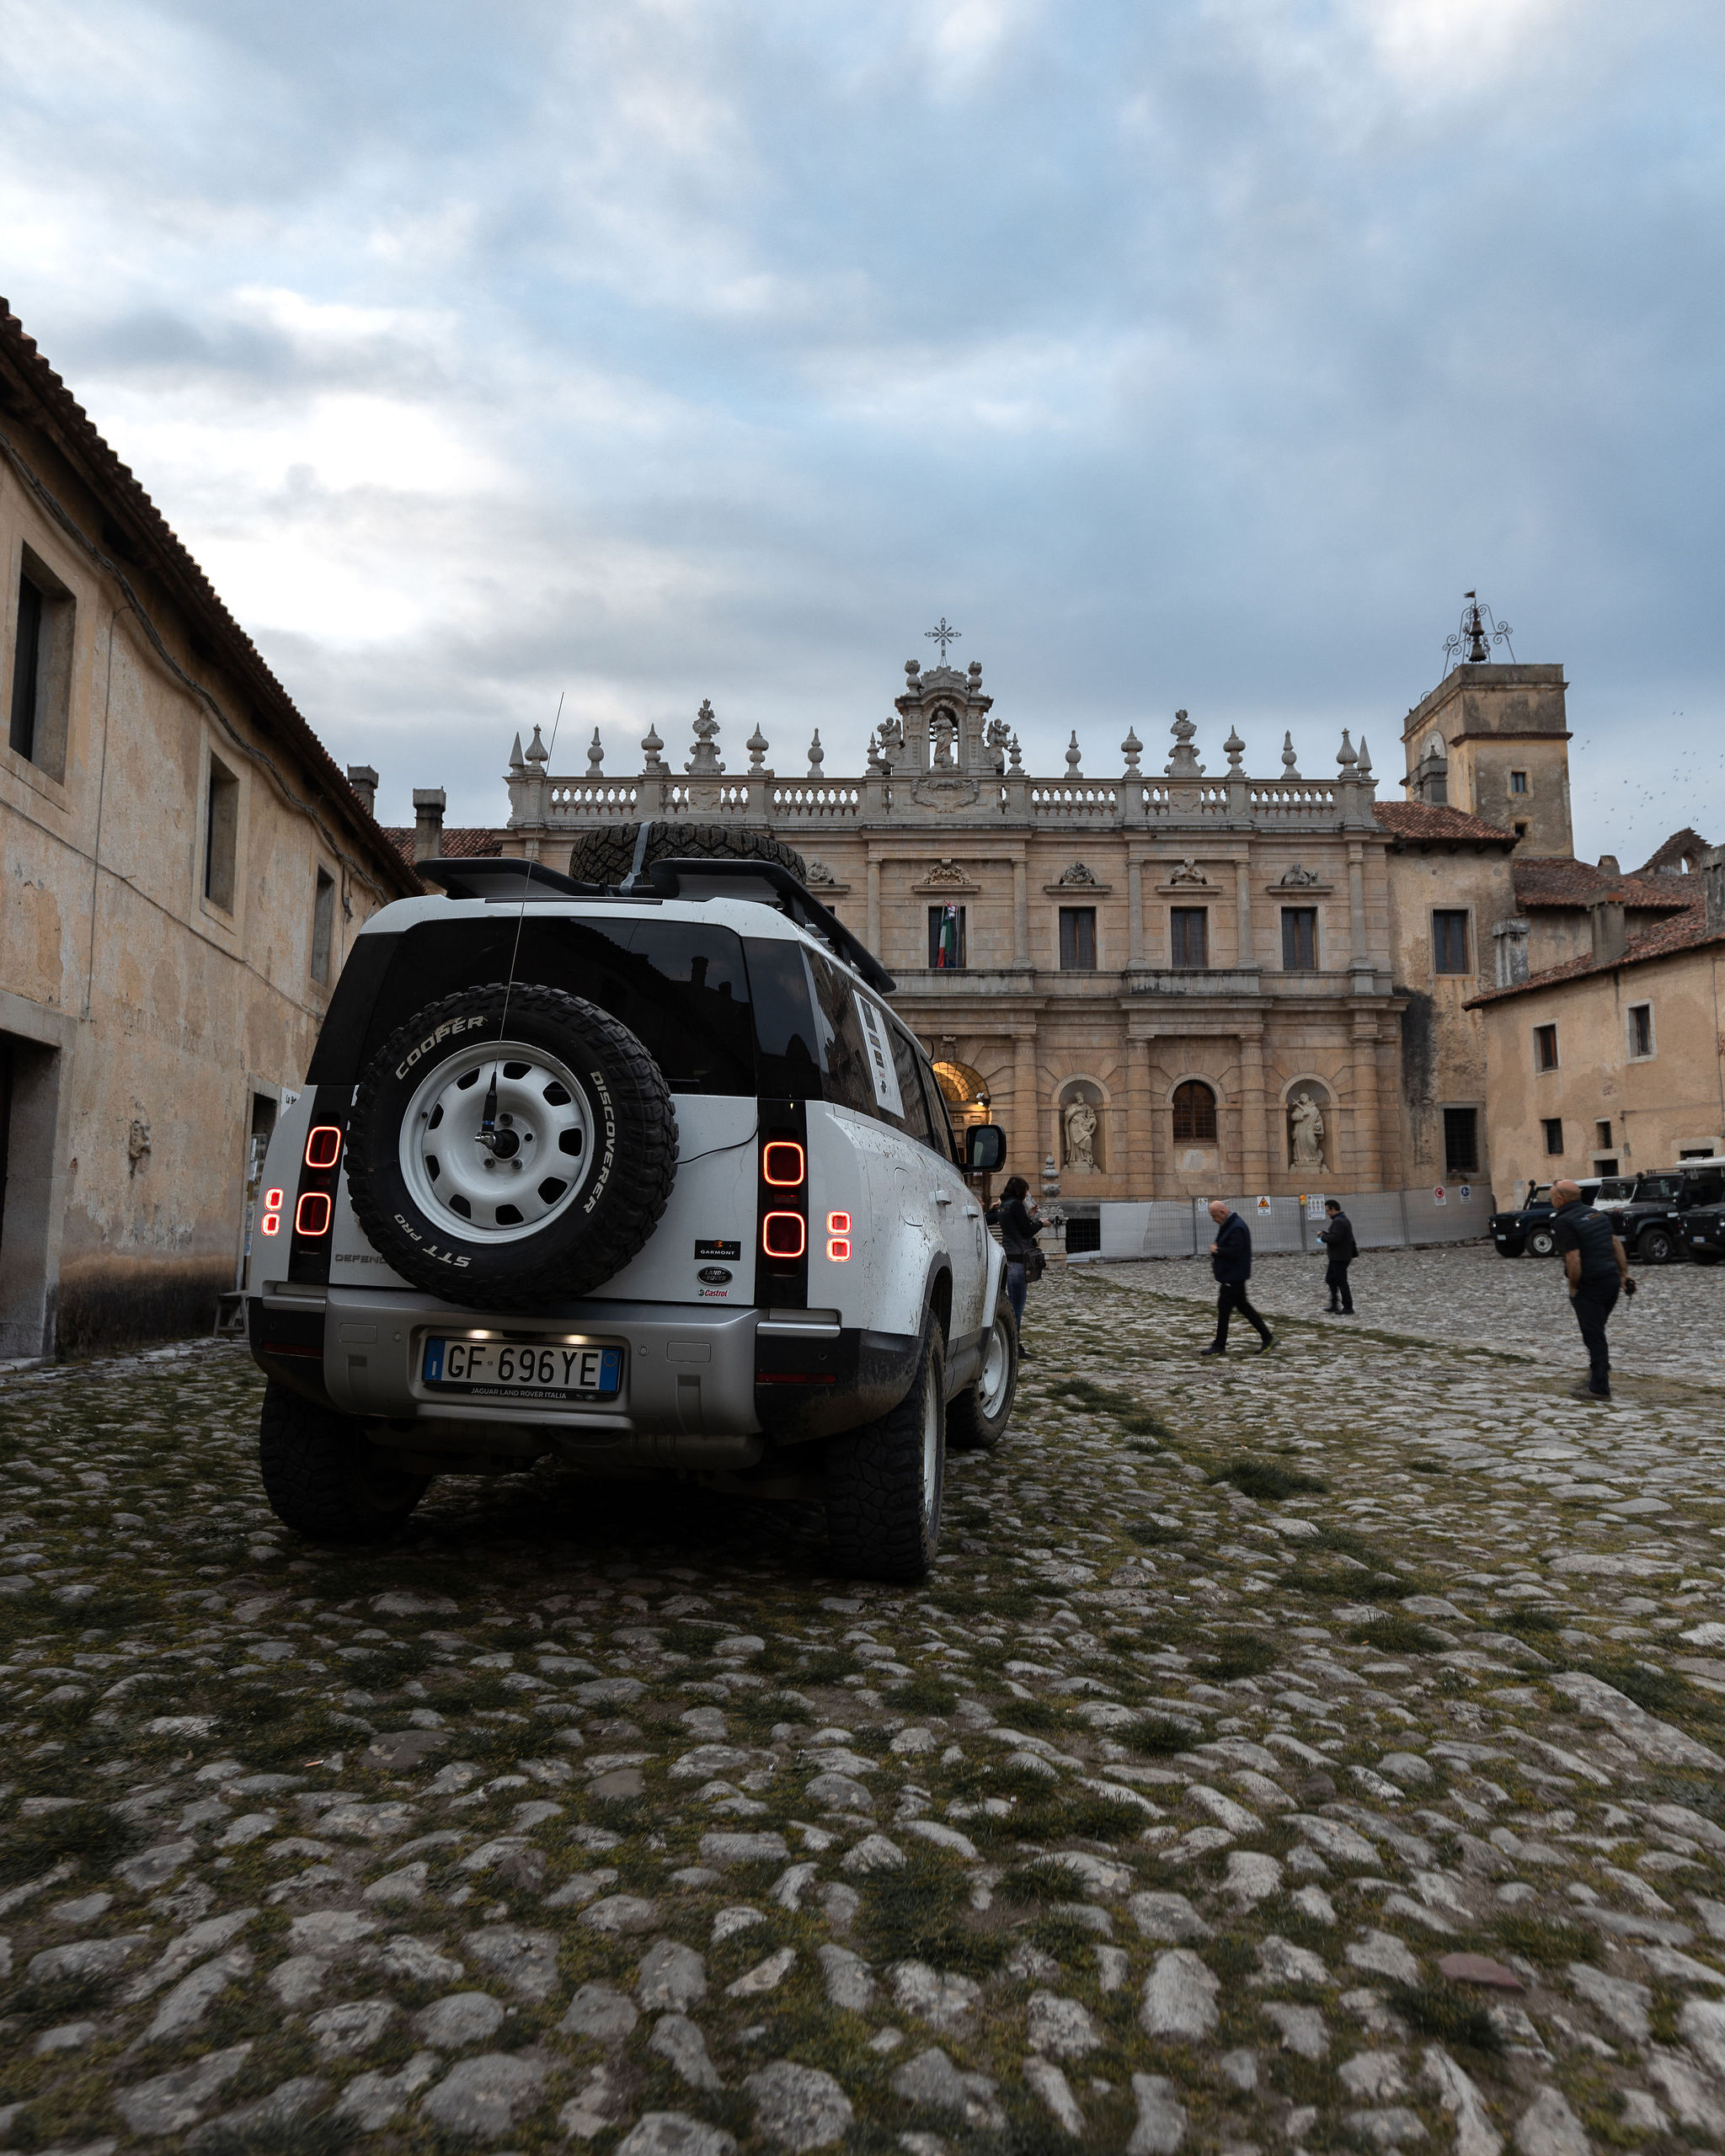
x=1383 y=1219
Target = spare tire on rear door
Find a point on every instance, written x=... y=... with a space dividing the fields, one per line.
x=607 y=857
x=510 y=1147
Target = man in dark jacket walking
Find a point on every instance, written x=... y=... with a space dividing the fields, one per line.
x=1596 y=1267
x=1231 y=1262
x=1337 y=1239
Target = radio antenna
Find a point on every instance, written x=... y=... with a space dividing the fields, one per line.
x=488 y=1121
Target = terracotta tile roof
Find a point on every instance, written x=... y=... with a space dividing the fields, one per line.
x=1684 y=931
x=1427 y=819
x=136 y=531
x=457 y=844
x=1579 y=883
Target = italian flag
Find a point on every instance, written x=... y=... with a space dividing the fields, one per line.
x=947 y=951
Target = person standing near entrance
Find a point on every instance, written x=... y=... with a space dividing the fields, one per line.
x=1596 y=1266
x=1231 y=1262
x=1016 y=1217
x=1337 y=1239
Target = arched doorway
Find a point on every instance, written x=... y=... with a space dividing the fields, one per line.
x=965 y=1092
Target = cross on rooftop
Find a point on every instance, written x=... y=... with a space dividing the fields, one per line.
x=944 y=635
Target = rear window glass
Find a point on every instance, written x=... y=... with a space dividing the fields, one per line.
x=680 y=986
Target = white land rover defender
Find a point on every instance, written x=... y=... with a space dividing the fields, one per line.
x=640 y=1172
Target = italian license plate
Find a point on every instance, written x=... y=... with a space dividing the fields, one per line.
x=506 y=1369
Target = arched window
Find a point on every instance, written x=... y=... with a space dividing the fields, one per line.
x=1194 y=1115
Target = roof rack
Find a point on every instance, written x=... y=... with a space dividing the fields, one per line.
x=669 y=880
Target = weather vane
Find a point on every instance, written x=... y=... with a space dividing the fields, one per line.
x=1472 y=640
x=944 y=635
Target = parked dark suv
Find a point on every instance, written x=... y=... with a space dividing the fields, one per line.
x=1704 y=1231
x=1525 y=1231
x=1654 y=1225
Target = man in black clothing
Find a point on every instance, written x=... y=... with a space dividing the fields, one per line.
x=1231 y=1262
x=1596 y=1266
x=1337 y=1239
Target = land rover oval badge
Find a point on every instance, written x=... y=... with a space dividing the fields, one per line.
x=714 y=1276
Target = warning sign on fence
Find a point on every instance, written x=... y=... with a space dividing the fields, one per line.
x=1263 y=1209
x=1314 y=1204
x=1440 y=1195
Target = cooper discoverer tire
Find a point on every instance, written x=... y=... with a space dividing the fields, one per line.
x=607 y=857
x=1657 y=1247
x=323 y=1476
x=1541 y=1243
x=885 y=1481
x=976 y=1420
x=510 y=1147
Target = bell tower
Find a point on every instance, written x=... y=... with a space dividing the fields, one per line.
x=1493 y=739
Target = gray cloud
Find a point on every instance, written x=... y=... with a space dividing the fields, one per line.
x=1199 y=356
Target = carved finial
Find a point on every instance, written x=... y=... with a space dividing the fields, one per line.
x=537 y=752
x=1346 y=756
x=756 y=746
x=706 y=758
x=515 y=754
x=877 y=761
x=1364 y=759
x=595 y=757
x=1132 y=749
x=1018 y=763
x=913 y=667
x=974 y=671
x=1289 y=760
x=817 y=756
x=650 y=747
x=1233 y=749
x=1073 y=757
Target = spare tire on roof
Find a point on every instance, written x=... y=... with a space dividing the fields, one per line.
x=510 y=1147
x=607 y=855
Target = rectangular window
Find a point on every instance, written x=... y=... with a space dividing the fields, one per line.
x=1605 y=1164
x=946 y=937
x=323 y=924
x=41 y=669
x=1460 y=1141
x=220 y=835
x=1189 y=930
x=1602 y=1135
x=1641 y=1029
x=1300 y=939
x=1545 y=1047
x=1078 y=939
x=1518 y=782
x=1449 y=942
x=1552 y=1125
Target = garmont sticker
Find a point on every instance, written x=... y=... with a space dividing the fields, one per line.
x=709 y=1246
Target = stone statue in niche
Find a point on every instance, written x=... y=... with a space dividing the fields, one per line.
x=1297 y=878
x=1081 y=1122
x=1306 y=1133
x=1188 y=872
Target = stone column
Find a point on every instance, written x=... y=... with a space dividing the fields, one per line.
x=1139 y=1163
x=1255 y=1158
x=1246 y=955
x=1389 y=1098
x=1025 y=1135
x=873 y=880
x=1365 y=1171
x=1359 y=955
x=1135 y=913
x=1021 y=914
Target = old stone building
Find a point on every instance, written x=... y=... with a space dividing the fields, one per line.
x=184 y=870
x=1609 y=1058
x=1166 y=982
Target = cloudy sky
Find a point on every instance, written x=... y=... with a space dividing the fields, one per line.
x=1196 y=353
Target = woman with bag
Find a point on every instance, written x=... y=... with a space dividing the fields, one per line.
x=1016 y=1219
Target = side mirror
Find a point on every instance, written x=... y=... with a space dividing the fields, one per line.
x=984 y=1149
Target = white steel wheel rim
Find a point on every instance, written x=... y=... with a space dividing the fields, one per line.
x=996 y=1368
x=540 y=1155
x=932 y=1422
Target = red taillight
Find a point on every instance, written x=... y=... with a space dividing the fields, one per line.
x=838 y=1248
x=323 y=1146
x=838 y=1223
x=272 y=1224
x=784 y=1234
x=783 y=1164
x=272 y=1201
x=313 y=1216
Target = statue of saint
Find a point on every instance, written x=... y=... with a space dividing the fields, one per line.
x=1307 y=1123
x=1080 y=1120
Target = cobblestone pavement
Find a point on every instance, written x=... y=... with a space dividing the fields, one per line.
x=1314 y=1750
x=1672 y=1326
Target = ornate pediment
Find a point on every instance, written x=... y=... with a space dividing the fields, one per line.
x=1187 y=877
x=1079 y=872
x=946 y=790
x=947 y=875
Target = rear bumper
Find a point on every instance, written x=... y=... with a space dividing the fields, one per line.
x=693 y=1372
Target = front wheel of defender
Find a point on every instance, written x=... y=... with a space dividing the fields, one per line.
x=976 y=1420
x=324 y=1478
x=885 y=1481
